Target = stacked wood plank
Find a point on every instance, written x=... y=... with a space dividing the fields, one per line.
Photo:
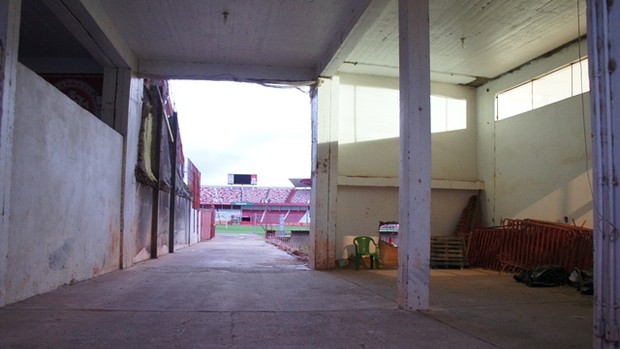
x=470 y=218
x=448 y=252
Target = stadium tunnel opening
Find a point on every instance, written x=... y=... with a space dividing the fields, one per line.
x=251 y=145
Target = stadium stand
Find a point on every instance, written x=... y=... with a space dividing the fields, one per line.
x=300 y=196
x=208 y=195
x=229 y=194
x=257 y=205
x=278 y=195
x=254 y=194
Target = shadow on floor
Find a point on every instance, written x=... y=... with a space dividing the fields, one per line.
x=240 y=292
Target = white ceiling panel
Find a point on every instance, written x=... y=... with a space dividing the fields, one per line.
x=302 y=39
x=474 y=38
x=255 y=33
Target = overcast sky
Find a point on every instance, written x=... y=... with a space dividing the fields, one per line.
x=229 y=127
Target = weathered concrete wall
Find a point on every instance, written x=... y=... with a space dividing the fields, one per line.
x=163 y=222
x=65 y=193
x=366 y=206
x=184 y=233
x=182 y=222
x=534 y=164
x=133 y=224
x=142 y=222
x=446 y=209
x=9 y=42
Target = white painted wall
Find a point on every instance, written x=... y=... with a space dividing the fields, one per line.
x=360 y=215
x=454 y=153
x=65 y=193
x=534 y=164
x=369 y=130
x=368 y=158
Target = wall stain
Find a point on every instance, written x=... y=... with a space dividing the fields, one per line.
x=59 y=258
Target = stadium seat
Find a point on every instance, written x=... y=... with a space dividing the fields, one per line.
x=362 y=248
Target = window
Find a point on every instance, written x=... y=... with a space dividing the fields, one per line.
x=448 y=114
x=550 y=88
x=514 y=101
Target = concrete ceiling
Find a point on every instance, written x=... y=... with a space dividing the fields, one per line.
x=298 y=40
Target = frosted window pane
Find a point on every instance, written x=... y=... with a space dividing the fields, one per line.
x=515 y=101
x=552 y=88
x=448 y=114
x=346 y=114
x=377 y=113
x=580 y=77
x=457 y=114
x=438 y=114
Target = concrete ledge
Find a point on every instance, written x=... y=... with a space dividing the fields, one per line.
x=393 y=182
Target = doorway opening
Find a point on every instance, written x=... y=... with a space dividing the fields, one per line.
x=251 y=145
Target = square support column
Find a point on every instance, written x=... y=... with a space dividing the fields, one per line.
x=122 y=109
x=324 y=100
x=9 y=41
x=604 y=55
x=415 y=156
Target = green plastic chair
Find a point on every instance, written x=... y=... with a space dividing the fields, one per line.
x=362 y=248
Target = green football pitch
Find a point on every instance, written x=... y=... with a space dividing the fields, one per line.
x=251 y=229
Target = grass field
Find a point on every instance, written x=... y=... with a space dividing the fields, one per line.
x=251 y=229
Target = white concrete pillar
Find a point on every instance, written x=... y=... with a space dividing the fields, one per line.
x=324 y=101
x=122 y=110
x=604 y=55
x=9 y=40
x=415 y=156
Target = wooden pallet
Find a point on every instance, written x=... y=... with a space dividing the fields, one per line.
x=448 y=252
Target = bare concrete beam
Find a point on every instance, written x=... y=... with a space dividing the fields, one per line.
x=415 y=156
x=324 y=174
x=351 y=33
x=91 y=26
x=603 y=54
x=9 y=40
x=207 y=71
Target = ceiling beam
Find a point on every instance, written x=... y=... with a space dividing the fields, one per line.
x=91 y=26
x=224 y=72
x=352 y=32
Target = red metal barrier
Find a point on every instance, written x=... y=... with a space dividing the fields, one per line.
x=523 y=244
x=207 y=224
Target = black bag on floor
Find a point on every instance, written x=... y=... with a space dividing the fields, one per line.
x=582 y=280
x=543 y=276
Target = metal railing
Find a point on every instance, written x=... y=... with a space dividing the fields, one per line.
x=296 y=243
x=523 y=244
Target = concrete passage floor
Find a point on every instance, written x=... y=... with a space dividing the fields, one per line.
x=239 y=292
